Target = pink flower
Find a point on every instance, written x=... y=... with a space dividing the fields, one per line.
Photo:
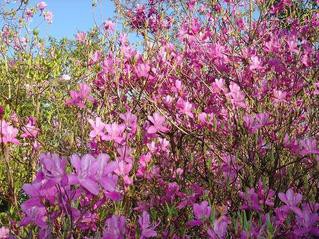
x=125 y=164
x=316 y=91
x=36 y=145
x=255 y=122
x=95 y=58
x=143 y=162
x=217 y=51
x=115 y=132
x=4 y=233
x=293 y=45
x=123 y=39
x=203 y=117
x=236 y=96
x=39 y=188
x=291 y=199
x=147 y=230
x=105 y=176
x=185 y=107
x=79 y=97
x=115 y=228
x=85 y=173
x=8 y=133
x=35 y=213
x=219 y=84
x=178 y=85
x=307 y=222
x=142 y=70
x=53 y=166
x=81 y=37
x=41 y=5
x=279 y=96
x=91 y=173
x=48 y=16
x=251 y=200
x=28 y=14
x=291 y=144
x=219 y=228
x=158 y=122
x=130 y=121
x=255 y=63
x=30 y=130
x=230 y=167
x=98 y=129
x=124 y=168
x=109 y=26
x=202 y=211
x=308 y=146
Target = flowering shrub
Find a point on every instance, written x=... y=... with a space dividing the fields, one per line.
x=207 y=130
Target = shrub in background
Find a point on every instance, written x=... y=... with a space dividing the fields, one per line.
x=209 y=129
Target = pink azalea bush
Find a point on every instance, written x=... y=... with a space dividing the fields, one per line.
x=210 y=130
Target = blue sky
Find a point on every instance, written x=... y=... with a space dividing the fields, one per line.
x=71 y=16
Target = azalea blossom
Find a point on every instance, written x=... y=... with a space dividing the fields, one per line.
x=202 y=210
x=236 y=96
x=48 y=16
x=255 y=63
x=53 y=166
x=158 y=122
x=8 y=133
x=109 y=26
x=85 y=173
x=81 y=96
x=279 y=96
x=91 y=172
x=41 y=5
x=291 y=200
x=98 y=129
x=202 y=213
x=142 y=70
x=130 y=121
x=307 y=220
x=35 y=213
x=185 y=107
x=4 y=233
x=219 y=228
x=115 y=132
x=115 y=228
x=309 y=146
x=30 y=130
x=81 y=37
x=147 y=230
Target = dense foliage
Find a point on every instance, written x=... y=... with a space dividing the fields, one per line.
x=206 y=127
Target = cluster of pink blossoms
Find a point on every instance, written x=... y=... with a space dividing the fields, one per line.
x=212 y=132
